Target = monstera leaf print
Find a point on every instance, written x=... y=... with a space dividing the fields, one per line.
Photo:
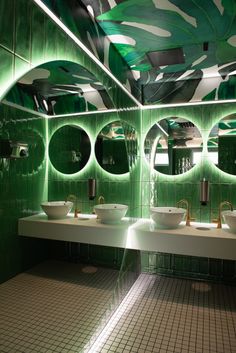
x=138 y=27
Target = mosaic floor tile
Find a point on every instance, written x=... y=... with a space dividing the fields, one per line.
x=58 y=307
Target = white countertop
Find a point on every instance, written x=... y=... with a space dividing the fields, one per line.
x=139 y=234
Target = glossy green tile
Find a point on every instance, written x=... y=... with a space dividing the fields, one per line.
x=229 y=269
x=189 y=266
x=7 y=62
x=20 y=68
x=203 y=265
x=164 y=261
x=23 y=11
x=7 y=23
x=24 y=185
x=37 y=36
x=105 y=256
x=215 y=267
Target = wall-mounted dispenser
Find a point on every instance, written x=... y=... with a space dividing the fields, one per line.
x=13 y=149
x=91 y=188
x=204 y=192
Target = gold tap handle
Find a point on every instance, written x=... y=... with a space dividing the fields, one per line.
x=219 y=223
x=76 y=212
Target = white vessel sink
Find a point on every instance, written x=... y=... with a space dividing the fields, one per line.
x=230 y=219
x=110 y=213
x=57 y=209
x=167 y=217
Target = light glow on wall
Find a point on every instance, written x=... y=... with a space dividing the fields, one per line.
x=125 y=306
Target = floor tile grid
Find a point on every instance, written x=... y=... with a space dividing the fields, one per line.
x=159 y=315
x=185 y=336
x=60 y=319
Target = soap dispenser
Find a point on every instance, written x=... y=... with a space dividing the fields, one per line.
x=204 y=192
x=91 y=188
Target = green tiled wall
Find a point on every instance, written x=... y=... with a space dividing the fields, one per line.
x=24 y=183
x=22 y=187
x=163 y=190
x=117 y=258
x=166 y=190
x=114 y=188
x=29 y=38
x=189 y=266
x=143 y=187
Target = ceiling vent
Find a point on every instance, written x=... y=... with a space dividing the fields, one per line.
x=166 y=57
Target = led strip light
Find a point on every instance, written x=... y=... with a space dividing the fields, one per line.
x=92 y=112
x=159 y=106
x=24 y=109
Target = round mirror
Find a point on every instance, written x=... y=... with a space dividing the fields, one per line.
x=116 y=147
x=69 y=149
x=173 y=146
x=221 y=144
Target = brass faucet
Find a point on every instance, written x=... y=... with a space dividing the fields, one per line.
x=74 y=199
x=101 y=200
x=188 y=218
x=218 y=220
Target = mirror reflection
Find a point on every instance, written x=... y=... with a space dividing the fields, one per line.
x=59 y=87
x=116 y=147
x=173 y=146
x=69 y=149
x=221 y=144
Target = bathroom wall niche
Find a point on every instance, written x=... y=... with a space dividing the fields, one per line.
x=173 y=146
x=69 y=149
x=116 y=147
x=221 y=144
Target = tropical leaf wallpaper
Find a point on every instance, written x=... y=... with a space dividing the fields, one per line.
x=205 y=30
x=124 y=34
x=60 y=87
x=79 y=18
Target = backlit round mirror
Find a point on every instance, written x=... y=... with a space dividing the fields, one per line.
x=221 y=144
x=69 y=149
x=116 y=147
x=173 y=146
